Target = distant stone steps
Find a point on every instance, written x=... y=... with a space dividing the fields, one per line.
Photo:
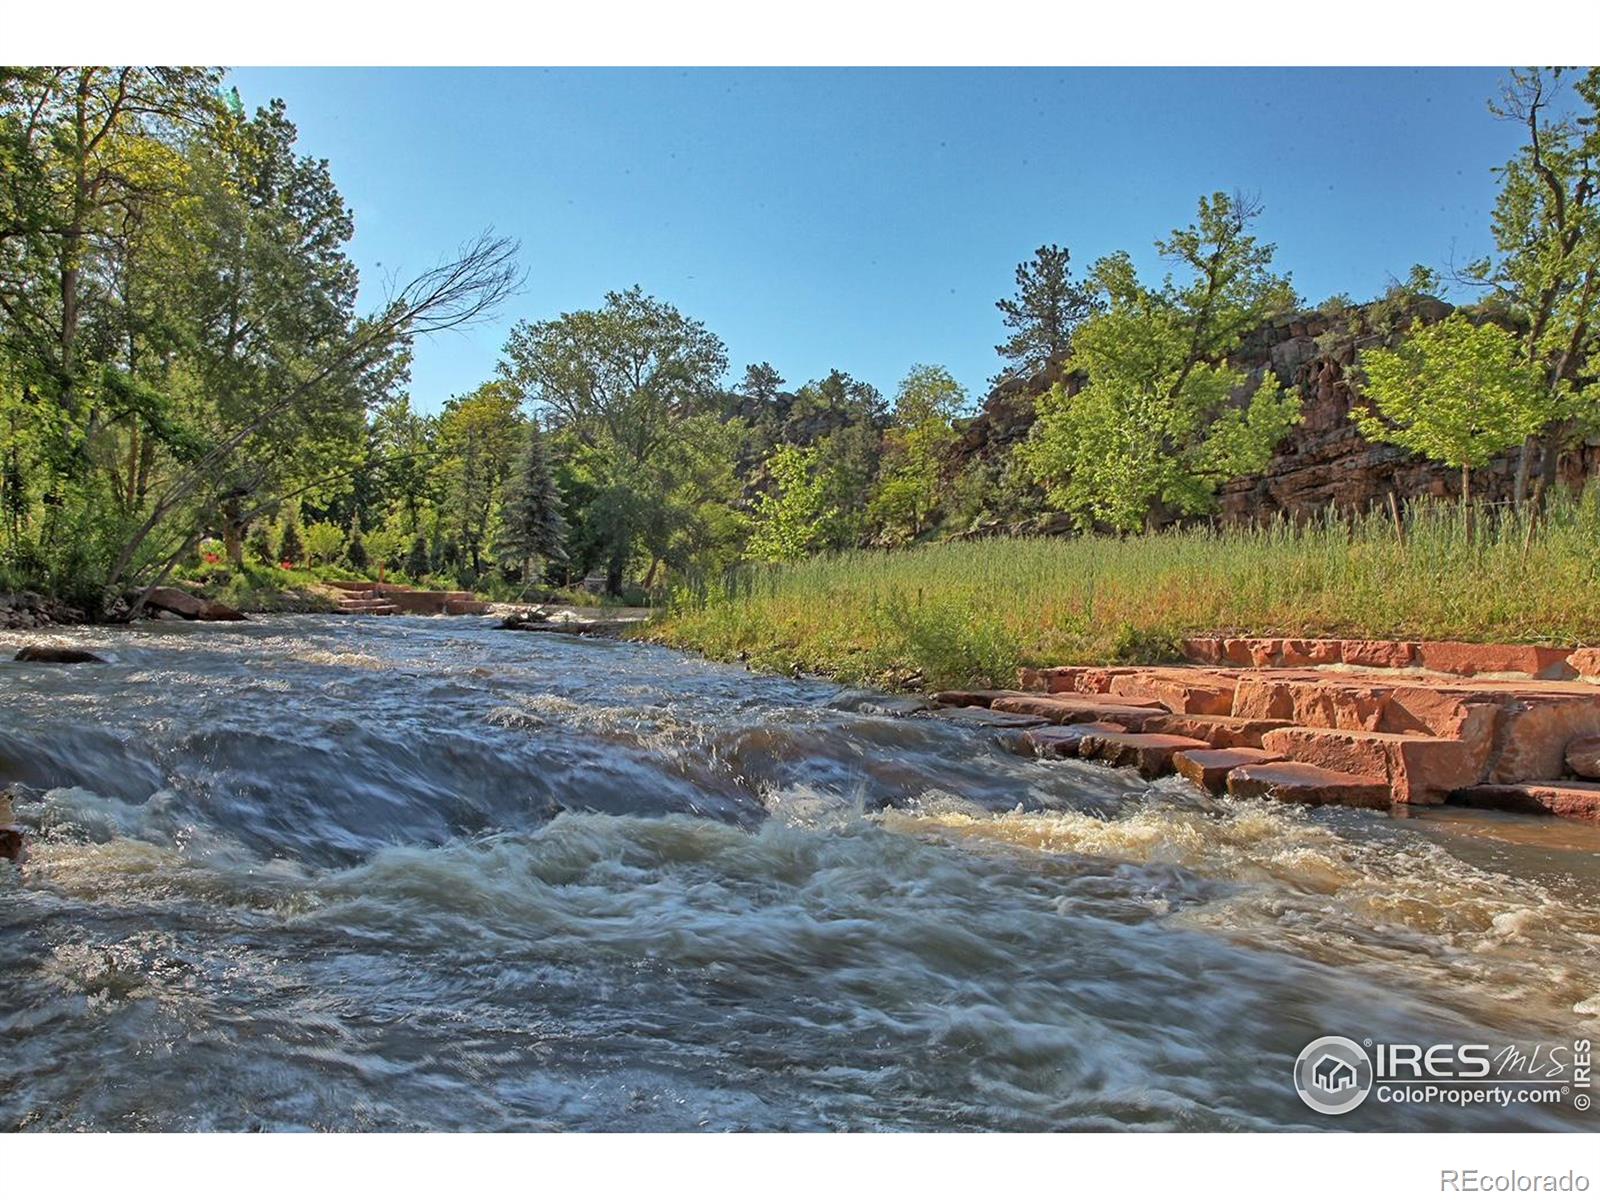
x=384 y=599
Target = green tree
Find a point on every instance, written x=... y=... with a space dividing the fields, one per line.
x=622 y=380
x=1163 y=419
x=1545 y=276
x=324 y=542
x=791 y=517
x=1456 y=392
x=532 y=524
x=418 y=563
x=291 y=544
x=1048 y=305
x=355 y=550
x=916 y=450
x=478 y=438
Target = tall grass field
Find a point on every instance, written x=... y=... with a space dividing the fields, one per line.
x=959 y=613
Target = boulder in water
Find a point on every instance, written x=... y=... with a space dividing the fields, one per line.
x=191 y=608
x=526 y=618
x=56 y=654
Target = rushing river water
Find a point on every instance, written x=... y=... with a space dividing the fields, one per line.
x=357 y=873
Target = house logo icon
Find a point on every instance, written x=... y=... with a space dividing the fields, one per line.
x=1333 y=1075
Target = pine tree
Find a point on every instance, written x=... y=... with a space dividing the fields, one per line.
x=355 y=550
x=417 y=564
x=1048 y=306
x=531 y=522
x=291 y=547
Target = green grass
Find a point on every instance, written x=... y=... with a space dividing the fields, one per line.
x=972 y=612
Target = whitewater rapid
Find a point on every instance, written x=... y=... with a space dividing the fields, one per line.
x=408 y=873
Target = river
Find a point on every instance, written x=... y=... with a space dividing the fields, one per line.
x=406 y=873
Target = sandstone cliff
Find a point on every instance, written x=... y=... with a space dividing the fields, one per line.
x=1325 y=460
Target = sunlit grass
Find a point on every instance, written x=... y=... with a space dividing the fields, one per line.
x=972 y=612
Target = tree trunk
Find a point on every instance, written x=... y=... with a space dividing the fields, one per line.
x=1530 y=450
x=1466 y=500
x=233 y=532
x=614 y=569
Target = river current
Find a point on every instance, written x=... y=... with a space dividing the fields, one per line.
x=408 y=873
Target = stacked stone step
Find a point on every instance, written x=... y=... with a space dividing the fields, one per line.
x=1370 y=738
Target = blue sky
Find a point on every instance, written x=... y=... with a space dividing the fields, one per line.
x=868 y=219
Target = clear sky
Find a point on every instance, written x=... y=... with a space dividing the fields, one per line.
x=868 y=219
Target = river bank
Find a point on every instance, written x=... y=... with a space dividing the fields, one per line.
x=971 y=614
x=407 y=873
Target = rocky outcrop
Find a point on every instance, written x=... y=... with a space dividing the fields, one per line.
x=29 y=610
x=1325 y=461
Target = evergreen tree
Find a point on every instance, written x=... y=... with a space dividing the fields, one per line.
x=1048 y=306
x=291 y=546
x=531 y=522
x=417 y=564
x=259 y=543
x=355 y=551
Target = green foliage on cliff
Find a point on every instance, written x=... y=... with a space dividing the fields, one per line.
x=1157 y=426
x=1457 y=392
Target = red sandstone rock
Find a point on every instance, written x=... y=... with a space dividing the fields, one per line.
x=1324 y=703
x=13 y=844
x=1239 y=652
x=1148 y=753
x=1583 y=756
x=1559 y=797
x=1062 y=741
x=1300 y=783
x=1469 y=658
x=1178 y=689
x=1066 y=709
x=1310 y=652
x=1203 y=650
x=191 y=608
x=1534 y=734
x=971 y=698
x=1378 y=654
x=1208 y=769
x=1441 y=712
x=1420 y=770
x=1221 y=732
x=1586 y=662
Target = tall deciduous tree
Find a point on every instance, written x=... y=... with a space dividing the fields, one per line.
x=622 y=379
x=1546 y=273
x=1456 y=392
x=1163 y=419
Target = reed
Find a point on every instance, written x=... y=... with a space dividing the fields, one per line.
x=971 y=612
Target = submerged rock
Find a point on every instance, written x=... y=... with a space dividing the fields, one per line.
x=875 y=704
x=56 y=654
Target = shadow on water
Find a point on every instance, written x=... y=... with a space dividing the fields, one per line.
x=411 y=873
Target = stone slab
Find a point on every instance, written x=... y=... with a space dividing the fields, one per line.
x=1208 y=769
x=1558 y=797
x=1148 y=753
x=1300 y=783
